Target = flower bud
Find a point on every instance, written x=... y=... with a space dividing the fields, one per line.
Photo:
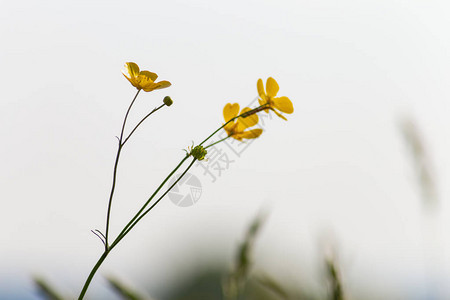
x=167 y=101
x=198 y=152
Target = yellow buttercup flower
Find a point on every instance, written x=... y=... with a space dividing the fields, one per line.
x=282 y=104
x=144 y=80
x=237 y=128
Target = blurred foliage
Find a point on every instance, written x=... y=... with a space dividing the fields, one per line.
x=421 y=161
x=335 y=281
x=234 y=284
x=240 y=283
x=46 y=290
x=124 y=291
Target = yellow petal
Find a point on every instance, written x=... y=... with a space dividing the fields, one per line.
x=162 y=85
x=260 y=87
x=148 y=86
x=280 y=115
x=230 y=128
x=230 y=111
x=243 y=123
x=151 y=86
x=251 y=134
x=130 y=72
x=131 y=80
x=132 y=69
x=283 y=104
x=272 y=87
x=237 y=137
x=143 y=82
x=149 y=74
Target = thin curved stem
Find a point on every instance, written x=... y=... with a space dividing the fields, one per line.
x=120 y=237
x=152 y=196
x=148 y=115
x=221 y=140
x=116 y=163
x=91 y=275
x=126 y=115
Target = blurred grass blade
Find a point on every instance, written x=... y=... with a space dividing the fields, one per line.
x=124 y=291
x=234 y=284
x=46 y=290
x=421 y=160
x=269 y=283
x=336 y=285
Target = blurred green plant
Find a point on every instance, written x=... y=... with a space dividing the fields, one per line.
x=125 y=292
x=234 y=284
x=335 y=280
x=421 y=161
x=46 y=290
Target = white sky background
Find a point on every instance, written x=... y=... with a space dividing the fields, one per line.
x=337 y=168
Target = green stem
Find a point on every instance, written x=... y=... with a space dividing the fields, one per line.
x=91 y=275
x=148 y=115
x=120 y=237
x=151 y=197
x=217 y=142
x=116 y=163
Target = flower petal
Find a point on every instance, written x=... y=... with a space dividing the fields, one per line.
x=283 y=104
x=132 y=69
x=260 y=87
x=278 y=114
x=130 y=72
x=230 y=128
x=272 y=87
x=131 y=80
x=144 y=83
x=251 y=134
x=151 y=86
x=162 y=85
x=243 y=123
x=237 y=137
x=148 y=86
x=149 y=74
x=230 y=111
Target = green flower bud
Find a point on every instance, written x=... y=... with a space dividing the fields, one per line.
x=167 y=101
x=198 y=152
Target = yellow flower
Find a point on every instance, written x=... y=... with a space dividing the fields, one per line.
x=144 y=80
x=283 y=104
x=236 y=129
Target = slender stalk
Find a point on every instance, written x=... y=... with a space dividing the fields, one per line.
x=152 y=196
x=120 y=237
x=148 y=115
x=221 y=140
x=126 y=115
x=116 y=163
x=91 y=275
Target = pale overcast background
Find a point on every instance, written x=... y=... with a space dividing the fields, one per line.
x=337 y=173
